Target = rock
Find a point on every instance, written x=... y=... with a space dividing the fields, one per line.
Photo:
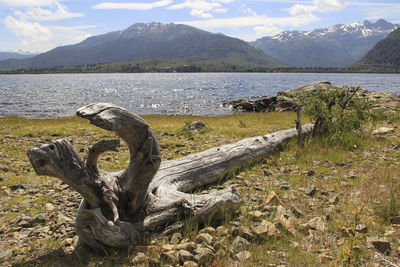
x=267 y=172
x=286 y=224
x=185 y=255
x=40 y=218
x=176 y=238
x=49 y=207
x=16 y=187
x=334 y=200
x=352 y=175
x=167 y=247
x=190 y=264
x=383 y=131
x=273 y=199
x=380 y=244
x=311 y=173
x=197 y=125
x=256 y=214
x=139 y=258
x=242 y=256
x=189 y=246
x=296 y=211
x=242 y=104
x=239 y=244
x=208 y=230
x=395 y=220
x=266 y=230
x=204 y=237
x=25 y=221
x=361 y=228
x=316 y=223
x=222 y=230
x=4 y=168
x=170 y=256
x=310 y=191
x=204 y=257
x=244 y=232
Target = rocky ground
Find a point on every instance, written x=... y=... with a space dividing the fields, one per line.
x=301 y=207
x=285 y=100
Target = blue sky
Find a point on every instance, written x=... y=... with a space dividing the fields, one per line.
x=40 y=25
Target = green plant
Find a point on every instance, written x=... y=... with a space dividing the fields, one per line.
x=339 y=114
x=242 y=124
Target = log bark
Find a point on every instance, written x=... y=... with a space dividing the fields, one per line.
x=148 y=198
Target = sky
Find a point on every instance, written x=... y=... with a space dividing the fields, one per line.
x=41 y=25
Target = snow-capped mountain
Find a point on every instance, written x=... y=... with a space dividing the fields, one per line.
x=336 y=46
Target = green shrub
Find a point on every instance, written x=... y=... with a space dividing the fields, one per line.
x=339 y=115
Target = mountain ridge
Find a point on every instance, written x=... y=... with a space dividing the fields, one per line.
x=336 y=46
x=149 y=41
x=384 y=55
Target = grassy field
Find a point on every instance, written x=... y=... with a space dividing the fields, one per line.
x=356 y=197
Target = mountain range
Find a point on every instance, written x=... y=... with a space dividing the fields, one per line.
x=15 y=55
x=383 y=56
x=149 y=41
x=336 y=46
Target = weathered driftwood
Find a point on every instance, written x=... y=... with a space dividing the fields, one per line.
x=147 y=198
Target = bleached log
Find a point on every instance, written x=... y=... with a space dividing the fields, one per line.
x=147 y=198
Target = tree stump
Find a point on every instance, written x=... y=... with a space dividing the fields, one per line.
x=148 y=198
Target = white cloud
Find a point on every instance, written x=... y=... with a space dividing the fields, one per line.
x=261 y=24
x=39 y=14
x=382 y=11
x=330 y=5
x=301 y=10
x=39 y=38
x=132 y=5
x=200 y=14
x=202 y=8
x=27 y=3
x=30 y=30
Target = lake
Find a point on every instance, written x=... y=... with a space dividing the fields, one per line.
x=55 y=95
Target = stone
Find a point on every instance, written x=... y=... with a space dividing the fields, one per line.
x=267 y=172
x=242 y=256
x=242 y=104
x=190 y=264
x=204 y=257
x=256 y=214
x=139 y=258
x=266 y=230
x=185 y=255
x=334 y=200
x=380 y=244
x=273 y=199
x=395 y=220
x=189 y=246
x=222 y=230
x=204 y=237
x=197 y=125
x=4 y=168
x=311 y=173
x=244 y=232
x=170 y=256
x=316 y=223
x=208 y=230
x=167 y=247
x=383 y=131
x=310 y=190
x=296 y=211
x=25 y=221
x=176 y=238
x=361 y=228
x=239 y=244
x=49 y=207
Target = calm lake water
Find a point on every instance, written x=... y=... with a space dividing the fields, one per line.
x=54 y=95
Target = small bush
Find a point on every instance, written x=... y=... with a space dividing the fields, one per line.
x=339 y=115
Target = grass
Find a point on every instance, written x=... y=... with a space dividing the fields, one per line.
x=371 y=198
